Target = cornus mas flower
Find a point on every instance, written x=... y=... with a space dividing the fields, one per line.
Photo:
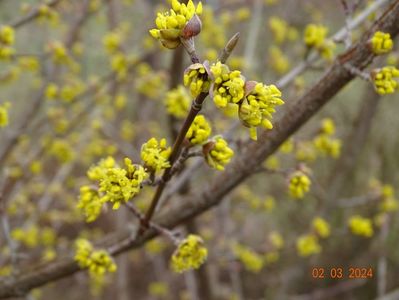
x=327 y=126
x=7 y=35
x=251 y=260
x=315 y=35
x=227 y=86
x=190 y=254
x=116 y=185
x=98 y=262
x=196 y=79
x=199 y=131
x=180 y=21
x=299 y=184
x=258 y=106
x=120 y=185
x=321 y=227
x=381 y=43
x=155 y=155
x=217 y=153
x=177 y=102
x=385 y=81
x=327 y=145
x=307 y=245
x=361 y=226
x=4 y=114
x=90 y=203
x=7 y=38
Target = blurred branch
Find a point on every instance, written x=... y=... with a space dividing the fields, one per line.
x=32 y=15
x=300 y=68
x=240 y=169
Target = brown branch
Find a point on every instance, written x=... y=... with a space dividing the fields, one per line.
x=194 y=204
x=354 y=143
x=194 y=110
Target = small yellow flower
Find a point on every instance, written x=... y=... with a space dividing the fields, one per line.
x=327 y=145
x=199 y=131
x=361 y=226
x=308 y=245
x=381 y=43
x=196 y=79
x=258 y=106
x=189 y=254
x=155 y=155
x=278 y=60
x=321 y=227
x=276 y=240
x=251 y=260
x=385 y=81
x=299 y=184
x=217 y=153
x=7 y=36
x=4 y=114
x=98 y=262
x=228 y=86
x=315 y=35
x=177 y=102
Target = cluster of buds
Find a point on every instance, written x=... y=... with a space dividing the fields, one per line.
x=385 y=80
x=255 y=101
x=181 y=22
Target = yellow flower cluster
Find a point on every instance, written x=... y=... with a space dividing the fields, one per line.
x=361 y=226
x=189 y=254
x=321 y=227
x=196 y=79
x=381 y=43
x=149 y=82
x=46 y=13
x=59 y=53
x=276 y=240
x=384 y=80
x=299 y=184
x=278 y=61
x=7 y=39
x=251 y=260
x=199 y=131
x=62 y=150
x=315 y=37
x=228 y=86
x=218 y=153
x=307 y=245
x=281 y=31
x=177 y=102
x=4 y=114
x=112 y=41
x=116 y=185
x=120 y=185
x=170 y=25
x=258 y=107
x=388 y=203
x=90 y=203
x=324 y=143
x=98 y=262
x=158 y=289
x=155 y=155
